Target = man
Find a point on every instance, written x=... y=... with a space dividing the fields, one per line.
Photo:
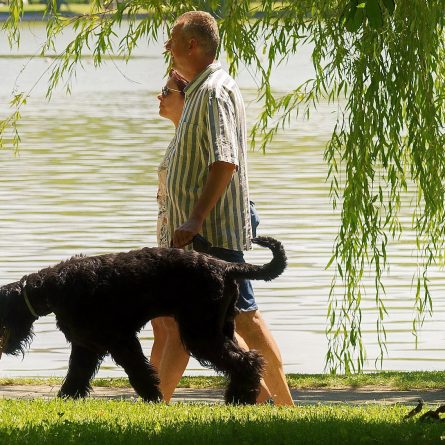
x=207 y=188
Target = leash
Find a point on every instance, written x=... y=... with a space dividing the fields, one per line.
x=199 y=243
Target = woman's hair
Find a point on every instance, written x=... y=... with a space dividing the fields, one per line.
x=179 y=80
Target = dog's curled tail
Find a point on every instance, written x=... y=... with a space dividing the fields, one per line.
x=267 y=271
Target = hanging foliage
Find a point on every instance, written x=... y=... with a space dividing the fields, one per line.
x=383 y=61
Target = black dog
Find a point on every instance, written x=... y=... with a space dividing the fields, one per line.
x=102 y=302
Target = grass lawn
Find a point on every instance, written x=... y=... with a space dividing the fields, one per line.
x=388 y=379
x=125 y=422
x=109 y=422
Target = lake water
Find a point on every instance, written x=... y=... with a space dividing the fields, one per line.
x=85 y=182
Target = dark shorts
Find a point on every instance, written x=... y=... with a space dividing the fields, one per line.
x=246 y=301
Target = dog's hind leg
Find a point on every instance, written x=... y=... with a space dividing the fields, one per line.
x=141 y=374
x=243 y=368
x=82 y=367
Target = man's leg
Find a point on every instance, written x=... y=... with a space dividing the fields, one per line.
x=170 y=358
x=246 y=304
x=252 y=327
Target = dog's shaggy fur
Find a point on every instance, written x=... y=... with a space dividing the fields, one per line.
x=102 y=302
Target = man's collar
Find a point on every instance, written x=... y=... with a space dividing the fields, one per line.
x=201 y=77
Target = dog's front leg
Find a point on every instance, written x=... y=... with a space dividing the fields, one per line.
x=82 y=367
x=141 y=374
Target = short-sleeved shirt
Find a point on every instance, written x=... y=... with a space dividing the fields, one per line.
x=212 y=128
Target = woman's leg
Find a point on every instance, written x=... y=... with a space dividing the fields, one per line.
x=159 y=339
x=170 y=357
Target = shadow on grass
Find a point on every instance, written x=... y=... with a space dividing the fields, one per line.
x=226 y=431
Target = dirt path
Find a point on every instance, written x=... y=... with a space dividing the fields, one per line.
x=301 y=397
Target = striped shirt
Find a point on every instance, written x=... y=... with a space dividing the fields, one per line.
x=212 y=128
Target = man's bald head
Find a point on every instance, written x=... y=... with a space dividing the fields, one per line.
x=202 y=27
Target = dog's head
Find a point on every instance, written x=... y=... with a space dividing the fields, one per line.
x=15 y=320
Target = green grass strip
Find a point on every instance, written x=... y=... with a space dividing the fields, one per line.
x=121 y=422
x=388 y=380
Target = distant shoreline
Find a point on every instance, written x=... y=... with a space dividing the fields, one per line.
x=36 y=13
x=39 y=16
x=36 y=16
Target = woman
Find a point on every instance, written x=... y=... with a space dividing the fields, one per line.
x=168 y=354
x=171 y=103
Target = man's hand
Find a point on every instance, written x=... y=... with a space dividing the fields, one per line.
x=184 y=234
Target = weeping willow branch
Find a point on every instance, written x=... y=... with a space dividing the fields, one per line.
x=381 y=61
x=390 y=132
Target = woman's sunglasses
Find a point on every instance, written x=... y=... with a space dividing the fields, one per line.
x=166 y=90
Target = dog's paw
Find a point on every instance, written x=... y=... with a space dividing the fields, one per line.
x=154 y=396
x=71 y=393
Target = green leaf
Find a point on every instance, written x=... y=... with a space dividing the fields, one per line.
x=374 y=14
x=330 y=261
x=389 y=5
x=345 y=13
x=354 y=19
